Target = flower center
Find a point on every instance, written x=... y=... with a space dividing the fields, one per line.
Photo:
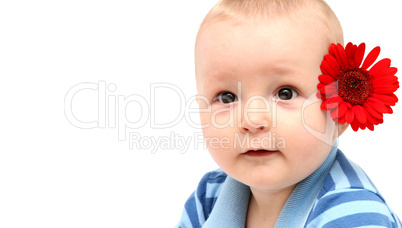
x=354 y=85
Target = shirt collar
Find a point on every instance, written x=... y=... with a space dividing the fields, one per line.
x=231 y=207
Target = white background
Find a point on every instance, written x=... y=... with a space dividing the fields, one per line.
x=54 y=174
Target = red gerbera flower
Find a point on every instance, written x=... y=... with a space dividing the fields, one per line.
x=353 y=93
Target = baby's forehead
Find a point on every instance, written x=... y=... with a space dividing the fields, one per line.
x=242 y=35
x=258 y=23
x=230 y=52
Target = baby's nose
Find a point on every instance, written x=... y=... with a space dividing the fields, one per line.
x=256 y=115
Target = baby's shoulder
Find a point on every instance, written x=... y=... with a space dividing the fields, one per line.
x=199 y=205
x=211 y=184
x=349 y=197
x=352 y=207
x=345 y=174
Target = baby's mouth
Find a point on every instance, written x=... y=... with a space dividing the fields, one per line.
x=260 y=152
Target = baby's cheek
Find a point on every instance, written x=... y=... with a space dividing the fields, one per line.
x=223 y=118
x=218 y=135
x=287 y=121
x=205 y=119
x=314 y=119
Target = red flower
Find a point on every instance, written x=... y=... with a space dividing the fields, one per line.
x=353 y=93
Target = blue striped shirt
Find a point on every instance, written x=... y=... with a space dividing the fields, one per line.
x=338 y=194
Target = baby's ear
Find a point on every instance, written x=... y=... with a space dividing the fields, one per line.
x=342 y=128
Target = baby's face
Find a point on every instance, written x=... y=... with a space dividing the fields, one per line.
x=256 y=84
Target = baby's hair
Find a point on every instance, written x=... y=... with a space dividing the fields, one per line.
x=239 y=10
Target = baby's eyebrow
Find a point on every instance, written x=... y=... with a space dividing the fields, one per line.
x=221 y=75
x=284 y=66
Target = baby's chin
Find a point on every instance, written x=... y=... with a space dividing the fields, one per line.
x=270 y=185
x=265 y=179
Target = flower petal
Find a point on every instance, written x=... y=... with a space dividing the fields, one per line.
x=329 y=90
x=358 y=58
x=386 y=90
x=334 y=114
x=342 y=56
x=350 y=50
x=320 y=95
x=371 y=57
x=380 y=66
x=360 y=113
x=327 y=70
x=387 y=99
x=381 y=81
x=362 y=126
x=349 y=115
x=338 y=52
x=370 y=126
x=338 y=111
x=388 y=72
x=390 y=111
x=372 y=111
x=334 y=101
x=355 y=125
x=333 y=64
x=320 y=86
x=342 y=108
x=323 y=105
x=372 y=120
x=377 y=105
x=342 y=120
x=325 y=79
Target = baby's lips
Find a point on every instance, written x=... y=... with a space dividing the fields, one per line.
x=260 y=153
x=260 y=150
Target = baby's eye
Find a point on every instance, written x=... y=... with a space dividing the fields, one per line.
x=286 y=94
x=226 y=97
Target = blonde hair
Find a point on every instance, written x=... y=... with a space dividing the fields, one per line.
x=239 y=10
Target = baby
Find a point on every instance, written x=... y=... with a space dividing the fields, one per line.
x=257 y=65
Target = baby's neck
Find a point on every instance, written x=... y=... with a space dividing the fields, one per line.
x=265 y=206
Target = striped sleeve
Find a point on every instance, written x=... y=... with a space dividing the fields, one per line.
x=200 y=203
x=352 y=208
x=350 y=199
